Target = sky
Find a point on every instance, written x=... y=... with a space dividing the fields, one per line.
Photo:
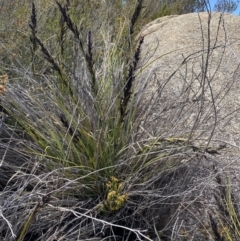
x=212 y=2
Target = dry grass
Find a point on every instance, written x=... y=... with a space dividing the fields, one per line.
x=78 y=162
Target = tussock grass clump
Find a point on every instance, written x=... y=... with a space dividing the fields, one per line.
x=76 y=161
x=73 y=133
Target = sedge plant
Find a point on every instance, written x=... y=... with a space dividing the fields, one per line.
x=76 y=129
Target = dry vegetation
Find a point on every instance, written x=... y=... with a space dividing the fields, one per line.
x=77 y=159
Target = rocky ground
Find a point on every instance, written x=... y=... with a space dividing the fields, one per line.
x=190 y=71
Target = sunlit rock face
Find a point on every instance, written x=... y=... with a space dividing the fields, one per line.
x=188 y=90
x=190 y=73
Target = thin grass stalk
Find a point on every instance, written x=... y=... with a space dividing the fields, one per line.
x=27 y=224
x=232 y=211
x=136 y=15
x=231 y=225
x=86 y=54
x=33 y=27
x=44 y=133
x=55 y=66
x=127 y=91
x=125 y=102
x=63 y=30
x=58 y=68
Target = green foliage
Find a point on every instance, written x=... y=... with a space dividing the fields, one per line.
x=76 y=113
x=81 y=132
x=227 y=223
x=226 y=6
x=73 y=110
x=175 y=7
